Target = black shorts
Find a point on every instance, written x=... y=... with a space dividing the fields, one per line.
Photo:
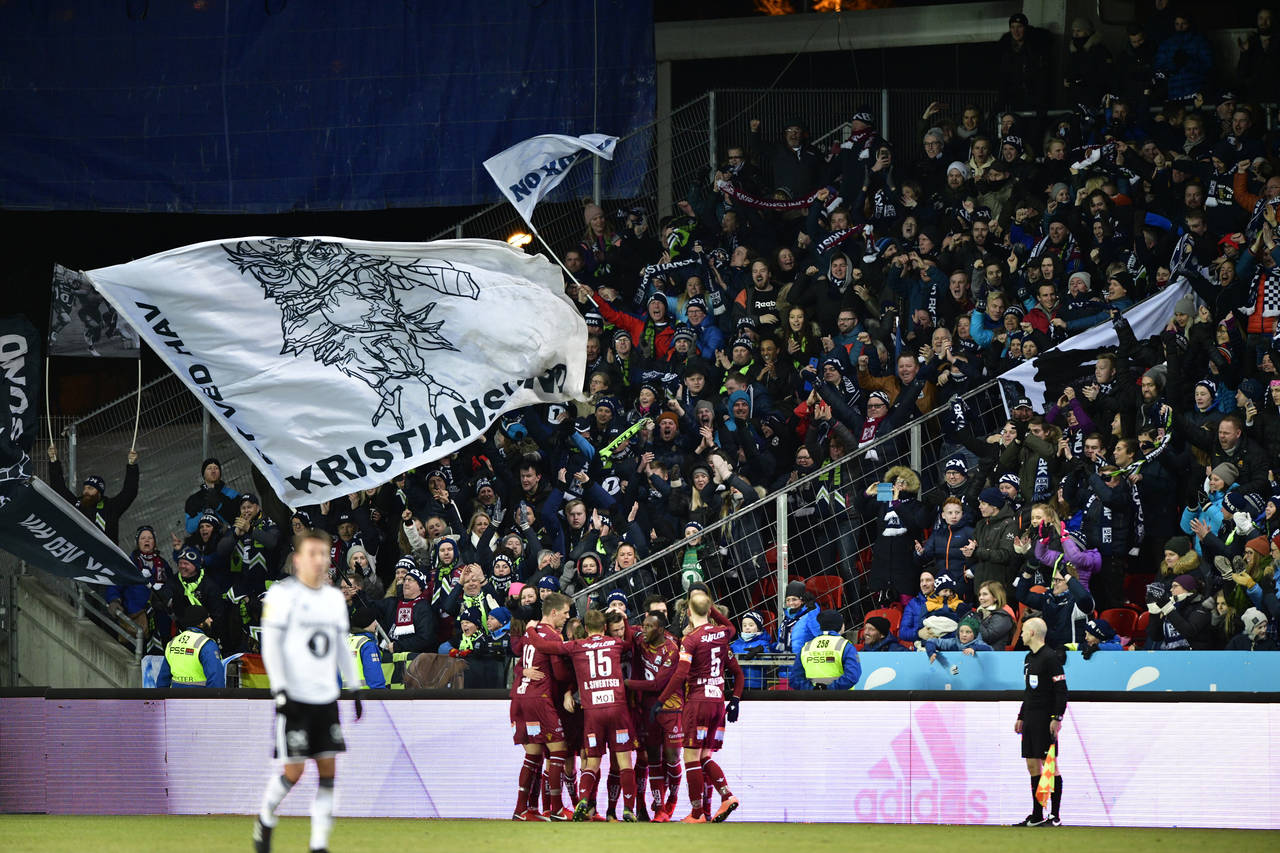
x=1036 y=739
x=308 y=731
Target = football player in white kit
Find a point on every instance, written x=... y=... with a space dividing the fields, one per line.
x=304 y=647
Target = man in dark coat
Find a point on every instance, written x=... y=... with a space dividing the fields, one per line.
x=93 y=502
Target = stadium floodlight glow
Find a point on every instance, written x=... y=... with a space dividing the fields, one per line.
x=520 y=239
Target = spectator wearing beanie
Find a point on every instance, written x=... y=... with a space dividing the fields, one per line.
x=1208 y=510
x=878 y=636
x=1253 y=634
x=898 y=522
x=213 y=496
x=1099 y=636
x=799 y=622
x=1178 y=621
x=991 y=556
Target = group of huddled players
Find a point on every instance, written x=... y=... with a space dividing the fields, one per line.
x=623 y=689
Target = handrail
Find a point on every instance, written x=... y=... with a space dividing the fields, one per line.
x=759 y=502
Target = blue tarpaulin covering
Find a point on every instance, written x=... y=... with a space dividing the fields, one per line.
x=227 y=106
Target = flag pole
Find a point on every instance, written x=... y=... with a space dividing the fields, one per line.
x=551 y=252
x=137 y=413
x=48 y=418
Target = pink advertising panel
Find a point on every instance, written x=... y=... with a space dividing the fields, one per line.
x=1123 y=763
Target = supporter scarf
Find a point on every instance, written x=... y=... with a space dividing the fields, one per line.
x=835 y=238
x=862 y=139
x=152 y=566
x=1041 y=492
x=763 y=203
x=653 y=270
x=869 y=427
x=1269 y=282
x=404 y=616
x=831 y=500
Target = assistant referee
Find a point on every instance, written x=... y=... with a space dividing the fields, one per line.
x=1040 y=717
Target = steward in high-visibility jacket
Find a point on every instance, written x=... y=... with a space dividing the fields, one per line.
x=828 y=661
x=364 y=645
x=192 y=659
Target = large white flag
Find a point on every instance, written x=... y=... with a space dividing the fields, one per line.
x=337 y=364
x=529 y=170
x=1149 y=317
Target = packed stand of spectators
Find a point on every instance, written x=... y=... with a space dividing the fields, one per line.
x=801 y=304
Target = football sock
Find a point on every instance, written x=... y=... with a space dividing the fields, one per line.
x=673 y=774
x=569 y=776
x=1036 y=811
x=693 y=777
x=614 y=785
x=642 y=774
x=706 y=796
x=586 y=785
x=713 y=775
x=555 y=772
x=536 y=781
x=322 y=814
x=658 y=784
x=1056 y=800
x=277 y=788
x=527 y=772
x=628 y=782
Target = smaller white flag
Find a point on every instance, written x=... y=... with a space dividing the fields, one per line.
x=529 y=170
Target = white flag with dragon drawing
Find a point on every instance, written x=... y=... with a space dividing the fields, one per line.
x=336 y=364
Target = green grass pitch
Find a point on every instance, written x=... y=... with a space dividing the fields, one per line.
x=52 y=834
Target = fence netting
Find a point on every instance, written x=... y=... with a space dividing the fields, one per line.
x=823 y=539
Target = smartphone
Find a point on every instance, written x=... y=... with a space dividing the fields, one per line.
x=813 y=362
x=884 y=492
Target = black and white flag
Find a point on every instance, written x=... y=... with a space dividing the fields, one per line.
x=20 y=369
x=38 y=526
x=81 y=323
x=528 y=170
x=336 y=364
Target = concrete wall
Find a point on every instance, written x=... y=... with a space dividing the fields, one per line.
x=57 y=649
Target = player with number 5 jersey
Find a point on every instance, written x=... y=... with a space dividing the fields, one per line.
x=704 y=658
x=607 y=723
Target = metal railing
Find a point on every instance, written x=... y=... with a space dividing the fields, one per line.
x=681 y=147
x=788 y=532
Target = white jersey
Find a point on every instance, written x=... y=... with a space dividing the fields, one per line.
x=304 y=641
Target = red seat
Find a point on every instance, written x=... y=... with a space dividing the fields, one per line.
x=828 y=590
x=894 y=617
x=1122 y=619
x=1140 y=629
x=1135 y=589
x=765 y=592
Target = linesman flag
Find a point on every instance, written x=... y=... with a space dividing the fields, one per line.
x=337 y=364
x=1048 y=770
x=528 y=170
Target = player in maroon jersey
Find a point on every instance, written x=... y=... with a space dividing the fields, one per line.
x=704 y=657
x=535 y=725
x=597 y=660
x=654 y=657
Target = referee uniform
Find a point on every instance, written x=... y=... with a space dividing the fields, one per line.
x=1044 y=701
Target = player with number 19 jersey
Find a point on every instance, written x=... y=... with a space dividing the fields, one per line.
x=533 y=710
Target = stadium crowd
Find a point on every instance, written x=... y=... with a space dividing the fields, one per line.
x=800 y=305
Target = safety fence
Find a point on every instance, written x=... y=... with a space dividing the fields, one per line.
x=686 y=145
x=815 y=529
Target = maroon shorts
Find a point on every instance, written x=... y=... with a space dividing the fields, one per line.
x=665 y=730
x=703 y=724
x=534 y=720
x=609 y=728
x=571 y=721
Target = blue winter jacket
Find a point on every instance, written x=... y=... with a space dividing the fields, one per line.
x=371 y=663
x=852 y=670
x=752 y=674
x=953 y=644
x=806 y=628
x=1211 y=515
x=942 y=553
